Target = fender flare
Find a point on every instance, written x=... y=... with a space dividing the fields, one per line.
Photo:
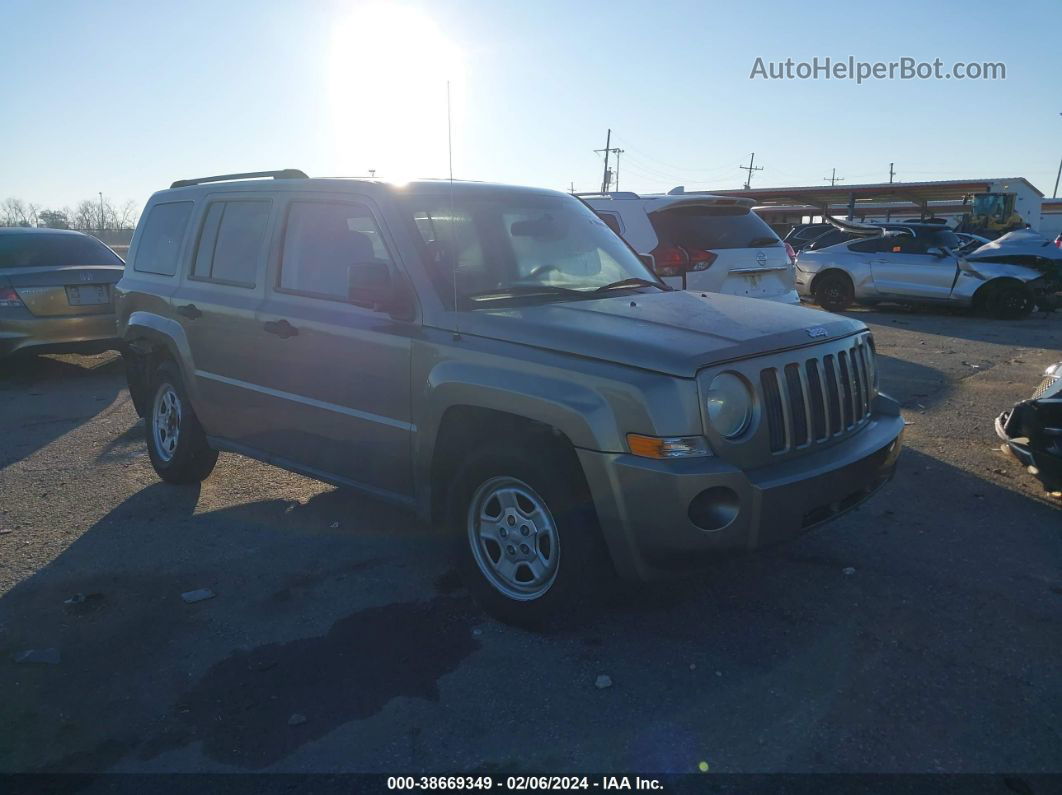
x=163 y=332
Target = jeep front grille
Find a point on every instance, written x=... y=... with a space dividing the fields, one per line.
x=813 y=400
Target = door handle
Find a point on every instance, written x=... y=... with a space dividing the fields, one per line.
x=282 y=328
x=190 y=311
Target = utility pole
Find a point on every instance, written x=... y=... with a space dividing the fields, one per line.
x=750 y=168
x=572 y=189
x=1057 y=177
x=606 y=175
x=833 y=179
x=891 y=172
x=101 y=211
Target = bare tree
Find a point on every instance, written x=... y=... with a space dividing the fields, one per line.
x=13 y=213
x=86 y=215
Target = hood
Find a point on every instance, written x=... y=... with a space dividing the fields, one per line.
x=1023 y=242
x=676 y=332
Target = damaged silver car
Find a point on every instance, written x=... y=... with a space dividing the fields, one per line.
x=1006 y=278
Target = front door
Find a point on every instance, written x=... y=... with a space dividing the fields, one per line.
x=335 y=375
x=905 y=266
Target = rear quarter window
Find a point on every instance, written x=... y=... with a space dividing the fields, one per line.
x=710 y=228
x=160 y=242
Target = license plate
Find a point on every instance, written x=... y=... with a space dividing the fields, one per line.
x=85 y=295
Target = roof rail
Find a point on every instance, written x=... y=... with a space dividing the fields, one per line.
x=615 y=194
x=285 y=173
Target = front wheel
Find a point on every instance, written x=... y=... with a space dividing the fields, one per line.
x=1010 y=301
x=834 y=292
x=525 y=535
x=176 y=443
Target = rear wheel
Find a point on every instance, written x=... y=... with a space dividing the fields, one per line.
x=525 y=534
x=1010 y=301
x=176 y=443
x=834 y=292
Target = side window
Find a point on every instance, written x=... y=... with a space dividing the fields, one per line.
x=868 y=246
x=232 y=242
x=611 y=221
x=160 y=242
x=907 y=244
x=322 y=240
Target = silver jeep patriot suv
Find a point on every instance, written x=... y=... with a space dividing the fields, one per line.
x=498 y=360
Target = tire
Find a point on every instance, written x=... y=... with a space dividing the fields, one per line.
x=1010 y=301
x=556 y=559
x=834 y=292
x=175 y=440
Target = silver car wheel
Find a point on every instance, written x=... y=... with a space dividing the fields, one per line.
x=513 y=538
x=166 y=422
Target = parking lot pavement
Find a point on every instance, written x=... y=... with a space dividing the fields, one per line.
x=919 y=633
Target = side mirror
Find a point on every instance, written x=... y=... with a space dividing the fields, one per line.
x=648 y=261
x=939 y=253
x=370 y=283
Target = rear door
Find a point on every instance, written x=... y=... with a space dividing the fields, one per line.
x=57 y=274
x=335 y=375
x=216 y=304
x=908 y=267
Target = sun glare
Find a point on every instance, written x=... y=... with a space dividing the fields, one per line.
x=388 y=71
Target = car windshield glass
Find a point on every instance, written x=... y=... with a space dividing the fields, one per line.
x=52 y=250
x=520 y=247
x=708 y=228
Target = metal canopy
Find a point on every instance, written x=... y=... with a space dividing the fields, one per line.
x=918 y=194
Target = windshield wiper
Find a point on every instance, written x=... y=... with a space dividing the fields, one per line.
x=634 y=281
x=521 y=290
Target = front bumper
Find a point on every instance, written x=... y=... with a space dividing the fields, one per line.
x=22 y=332
x=1034 y=444
x=647 y=509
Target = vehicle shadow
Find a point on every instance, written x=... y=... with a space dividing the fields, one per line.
x=52 y=395
x=896 y=615
x=303 y=591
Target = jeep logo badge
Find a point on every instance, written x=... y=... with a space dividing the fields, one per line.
x=817 y=331
x=761 y=259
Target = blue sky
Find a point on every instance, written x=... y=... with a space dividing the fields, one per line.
x=124 y=97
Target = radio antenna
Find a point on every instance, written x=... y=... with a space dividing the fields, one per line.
x=453 y=232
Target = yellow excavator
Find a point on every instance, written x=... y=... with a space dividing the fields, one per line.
x=991 y=215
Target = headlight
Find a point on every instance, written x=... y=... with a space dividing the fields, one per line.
x=729 y=405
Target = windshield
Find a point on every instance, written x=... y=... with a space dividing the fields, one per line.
x=31 y=250
x=521 y=247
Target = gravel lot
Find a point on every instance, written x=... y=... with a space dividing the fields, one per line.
x=920 y=633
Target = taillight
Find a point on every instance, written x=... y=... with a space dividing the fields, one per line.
x=701 y=260
x=791 y=252
x=9 y=297
x=670 y=260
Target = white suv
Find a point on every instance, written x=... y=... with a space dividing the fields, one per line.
x=699 y=241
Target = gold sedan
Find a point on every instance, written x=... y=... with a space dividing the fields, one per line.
x=56 y=292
